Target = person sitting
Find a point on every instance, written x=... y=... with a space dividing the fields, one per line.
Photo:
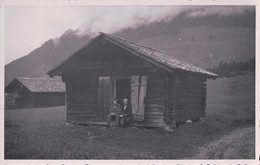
x=115 y=109
x=125 y=114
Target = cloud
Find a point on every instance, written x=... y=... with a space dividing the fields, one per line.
x=114 y=19
x=220 y=10
x=28 y=27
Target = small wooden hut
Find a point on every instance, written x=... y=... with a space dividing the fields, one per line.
x=24 y=92
x=162 y=89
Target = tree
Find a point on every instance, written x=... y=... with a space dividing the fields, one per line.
x=225 y=69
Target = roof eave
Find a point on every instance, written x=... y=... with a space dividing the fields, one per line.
x=208 y=76
x=213 y=76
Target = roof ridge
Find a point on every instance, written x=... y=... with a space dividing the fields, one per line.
x=109 y=35
x=42 y=84
x=34 y=78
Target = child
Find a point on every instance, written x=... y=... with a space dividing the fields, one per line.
x=115 y=109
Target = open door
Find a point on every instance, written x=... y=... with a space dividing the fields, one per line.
x=138 y=93
x=123 y=90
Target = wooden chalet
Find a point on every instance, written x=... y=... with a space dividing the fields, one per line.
x=162 y=89
x=24 y=92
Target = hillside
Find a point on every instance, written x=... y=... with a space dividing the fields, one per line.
x=207 y=46
x=203 y=41
x=40 y=60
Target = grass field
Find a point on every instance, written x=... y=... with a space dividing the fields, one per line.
x=44 y=134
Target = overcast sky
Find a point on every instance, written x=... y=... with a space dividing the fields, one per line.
x=26 y=28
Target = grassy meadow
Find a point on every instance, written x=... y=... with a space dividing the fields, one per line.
x=43 y=133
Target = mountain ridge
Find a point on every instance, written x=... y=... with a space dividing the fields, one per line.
x=203 y=41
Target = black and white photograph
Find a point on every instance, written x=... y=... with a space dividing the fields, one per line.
x=131 y=82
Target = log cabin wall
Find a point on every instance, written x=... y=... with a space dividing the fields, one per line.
x=26 y=100
x=81 y=99
x=36 y=92
x=25 y=96
x=189 y=97
x=110 y=62
x=48 y=99
x=171 y=102
x=170 y=97
x=155 y=102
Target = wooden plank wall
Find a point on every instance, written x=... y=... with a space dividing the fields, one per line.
x=82 y=103
x=48 y=99
x=104 y=97
x=155 y=102
x=26 y=99
x=189 y=95
x=142 y=94
x=169 y=114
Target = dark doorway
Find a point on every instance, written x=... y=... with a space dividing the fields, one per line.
x=123 y=90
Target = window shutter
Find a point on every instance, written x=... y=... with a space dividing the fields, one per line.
x=134 y=95
x=104 y=92
x=138 y=93
x=142 y=94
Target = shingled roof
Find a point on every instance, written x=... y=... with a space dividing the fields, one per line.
x=42 y=84
x=161 y=58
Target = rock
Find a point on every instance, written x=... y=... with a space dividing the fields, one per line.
x=189 y=121
x=69 y=124
x=167 y=128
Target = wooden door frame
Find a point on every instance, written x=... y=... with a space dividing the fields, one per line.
x=112 y=88
x=113 y=83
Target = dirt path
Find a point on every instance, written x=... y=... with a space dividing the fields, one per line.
x=235 y=145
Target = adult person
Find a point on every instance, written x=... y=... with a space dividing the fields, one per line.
x=115 y=109
x=125 y=115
